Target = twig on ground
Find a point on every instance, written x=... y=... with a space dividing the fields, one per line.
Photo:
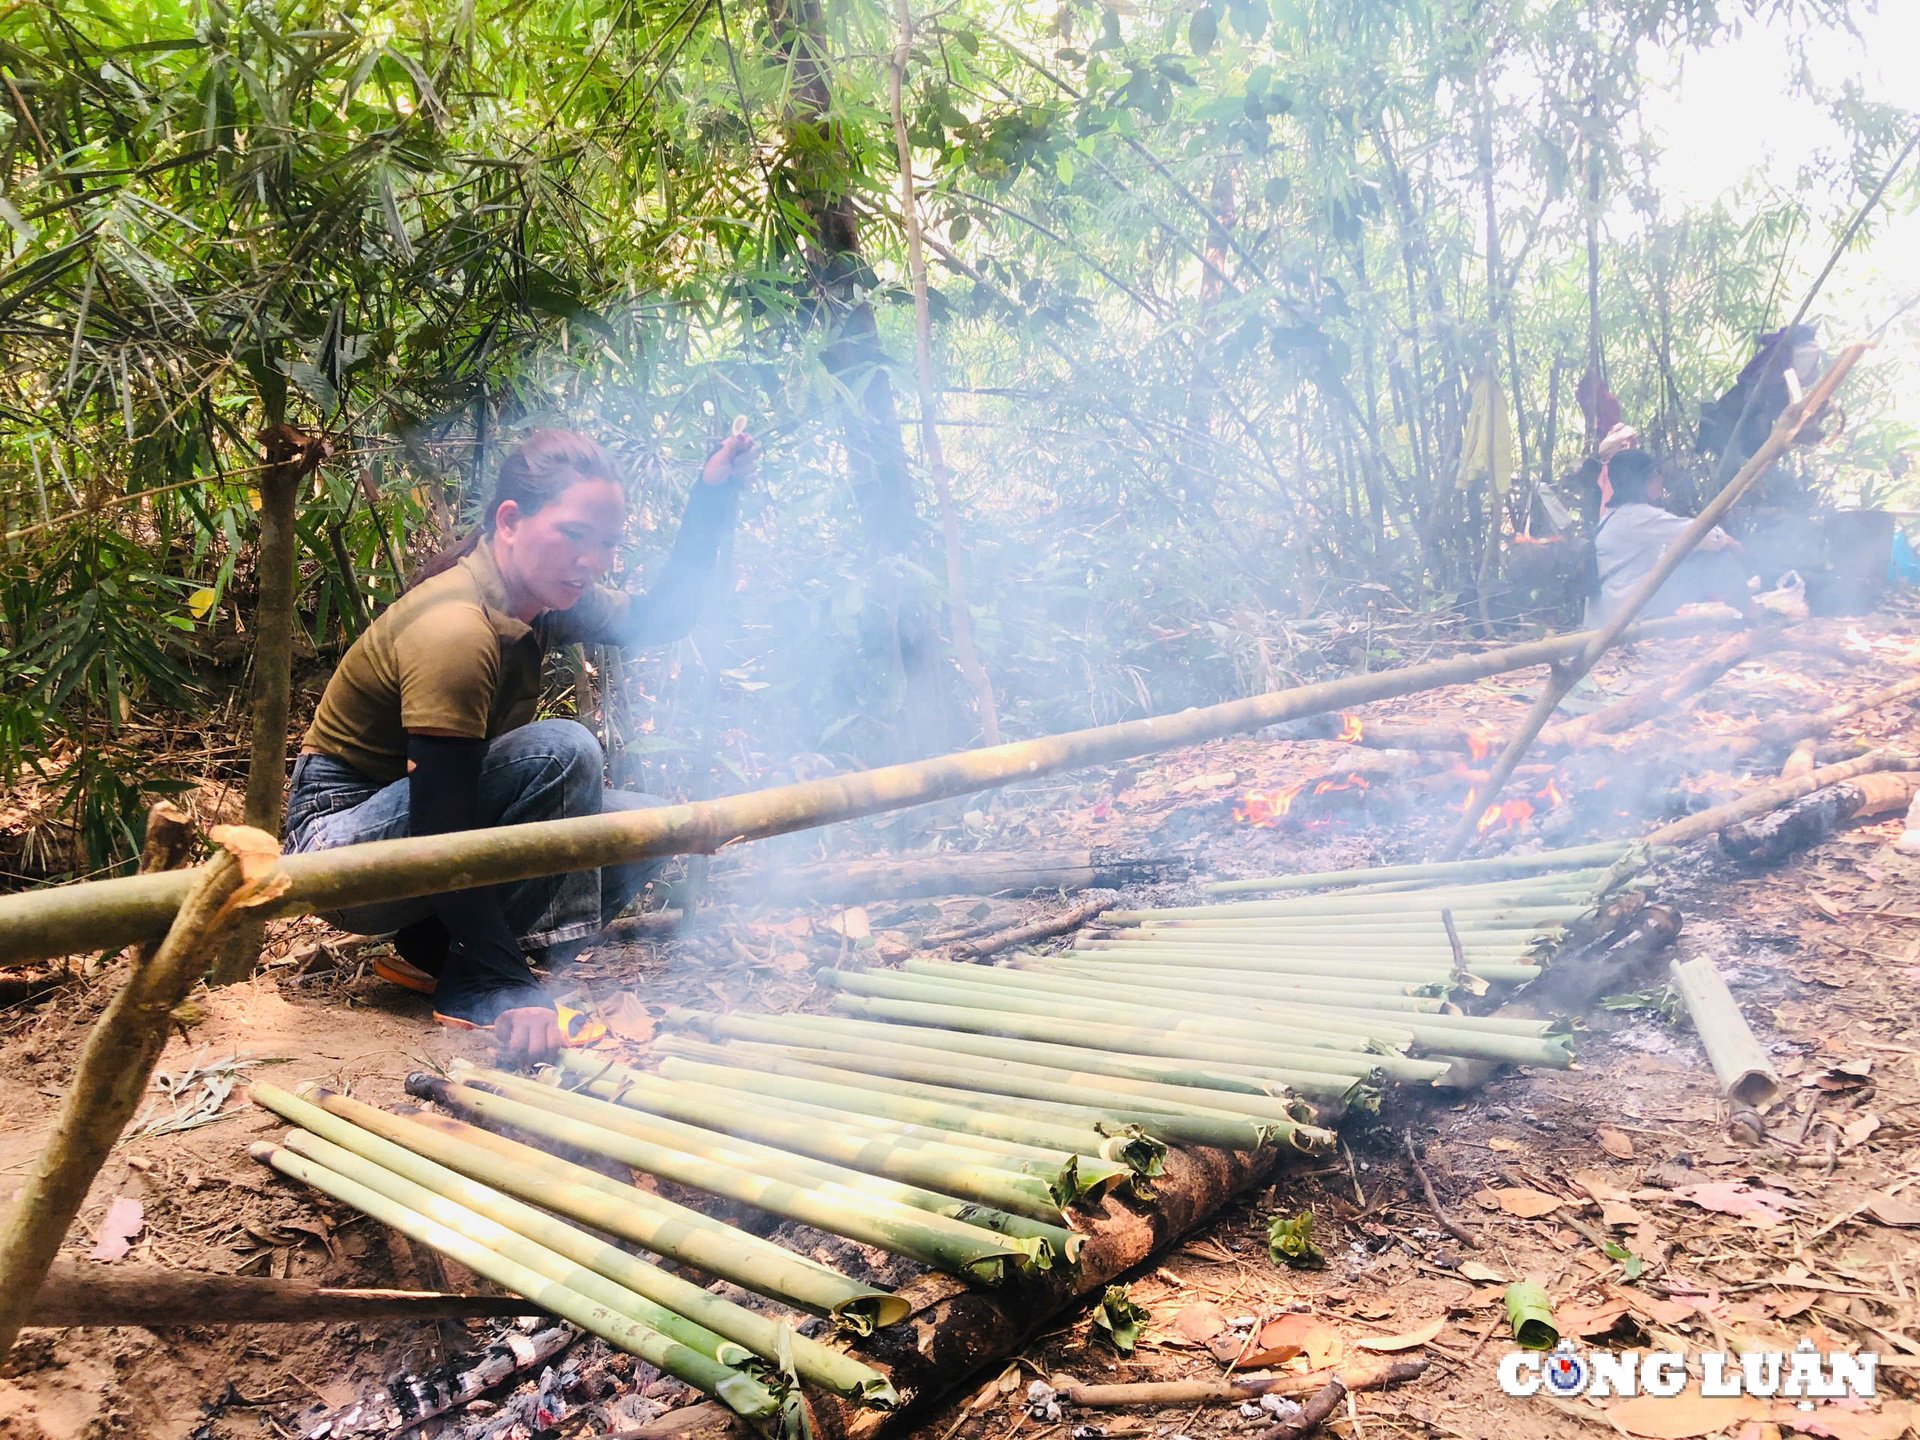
x=1313 y=1414
x=1447 y=1223
x=1044 y=929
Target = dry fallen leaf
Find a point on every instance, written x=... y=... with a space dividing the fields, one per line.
x=1683 y=1416
x=1893 y=1210
x=852 y=923
x=626 y=1017
x=1527 y=1204
x=126 y=1217
x=1765 y=1208
x=1615 y=1143
x=1481 y=1274
x=1662 y=1312
x=1833 y=1422
x=1502 y=1144
x=1590 y=1320
x=1411 y=1339
x=1199 y=1323
x=1219 y=780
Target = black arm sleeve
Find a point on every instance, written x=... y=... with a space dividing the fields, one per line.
x=672 y=604
x=485 y=964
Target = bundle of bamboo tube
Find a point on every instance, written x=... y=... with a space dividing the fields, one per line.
x=957 y=1115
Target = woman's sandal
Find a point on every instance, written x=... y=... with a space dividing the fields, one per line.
x=395 y=971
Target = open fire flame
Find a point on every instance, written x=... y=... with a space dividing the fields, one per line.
x=1479 y=746
x=1351 y=729
x=1264 y=809
x=1508 y=815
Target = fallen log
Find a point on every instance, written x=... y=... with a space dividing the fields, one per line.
x=78 y=1295
x=1042 y=929
x=917 y=876
x=1663 y=695
x=1811 y=818
x=1769 y=797
x=952 y=1329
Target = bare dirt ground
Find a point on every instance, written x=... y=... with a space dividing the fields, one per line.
x=1632 y=1150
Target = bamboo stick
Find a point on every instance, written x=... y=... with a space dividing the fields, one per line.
x=1436 y=971
x=1434 y=1032
x=949 y=1245
x=763 y=1335
x=1522 y=886
x=1604 y=853
x=628 y=1213
x=1089 y=1107
x=720 y=1067
x=117 y=1060
x=1359 y=950
x=640 y=1124
x=1746 y=1075
x=1384 y=994
x=954 y=1172
x=1084 y=1175
x=48 y=923
x=1475 y=915
x=739 y=1392
x=1314 y=1053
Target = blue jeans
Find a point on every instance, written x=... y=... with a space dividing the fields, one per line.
x=549 y=770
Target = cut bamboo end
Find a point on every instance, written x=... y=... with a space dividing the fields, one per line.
x=1746 y=1075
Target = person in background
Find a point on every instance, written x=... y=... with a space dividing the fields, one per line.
x=427 y=726
x=1635 y=531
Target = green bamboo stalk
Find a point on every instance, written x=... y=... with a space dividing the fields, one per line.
x=1230 y=957
x=904 y=1060
x=628 y=1213
x=952 y=1171
x=1143 y=1154
x=846 y=1031
x=763 y=1335
x=1355 y=909
x=1384 y=994
x=949 y=1245
x=741 y=1393
x=1431 y=1032
x=1575 y=881
x=1603 y=853
x=1303 y=1049
x=754 y=1156
x=1093 y=1108
x=1342 y=1071
x=1425 y=936
x=1746 y=1075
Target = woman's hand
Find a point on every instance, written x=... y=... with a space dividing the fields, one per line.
x=734 y=460
x=527 y=1036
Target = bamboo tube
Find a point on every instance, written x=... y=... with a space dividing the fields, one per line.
x=508 y=1266
x=1101 y=1174
x=1603 y=853
x=1384 y=994
x=905 y=1061
x=1432 y=1032
x=1419 y=936
x=1341 y=1068
x=1746 y=1075
x=628 y=1213
x=846 y=1032
x=720 y=1067
x=641 y=1125
x=1282 y=990
x=1578 y=882
x=763 y=1335
x=534 y=1252
x=1030 y=1195
x=1361 y=909
x=103 y=914
x=950 y=1245
x=1219 y=1074
x=1090 y=1107
x=1317 y=1054
x=1234 y=957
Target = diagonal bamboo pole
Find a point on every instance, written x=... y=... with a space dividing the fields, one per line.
x=1565 y=677
x=43 y=924
x=118 y=1060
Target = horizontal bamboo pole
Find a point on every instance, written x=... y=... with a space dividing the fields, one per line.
x=1746 y=1075
x=1430 y=1032
x=1136 y=1040
x=1603 y=853
x=1578 y=881
x=1477 y=915
x=724 y=1068
x=639 y=1124
x=627 y=1212
x=1361 y=947
x=1433 y=971
x=764 y=1335
x=1316 y=1052
x=845 y=1031
x=1385 y=994
x=740 y=1392
x=105 y=914
x=950 y=1171
x=950 y=1245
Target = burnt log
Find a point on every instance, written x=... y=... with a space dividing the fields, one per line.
x=1807 y=821
x=919 y=876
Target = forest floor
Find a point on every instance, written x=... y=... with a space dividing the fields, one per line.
x=1738 y=1240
